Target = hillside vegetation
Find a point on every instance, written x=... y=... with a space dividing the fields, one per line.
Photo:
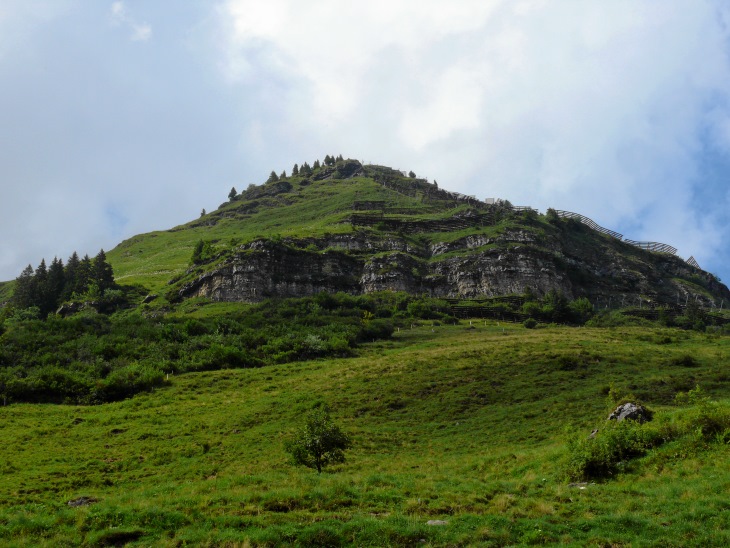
x=467 y=424
x=471 y=352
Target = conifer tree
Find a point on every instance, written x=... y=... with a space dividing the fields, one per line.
x=305 y=170
x=71 y=276
x=24 y=288
x=283 y=175
x=327 y=160
x=102 y=273
x=54 y=286
x=295 y=170
x=273 y=177
x=232 y=194
x=316 y=165
x=340 y=158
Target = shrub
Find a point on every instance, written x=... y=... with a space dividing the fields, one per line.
x=600 y=456
x=530 y=323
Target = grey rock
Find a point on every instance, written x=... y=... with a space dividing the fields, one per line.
x=630 y=411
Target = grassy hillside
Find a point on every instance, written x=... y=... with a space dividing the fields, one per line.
x=308 y=209
x=467 y=424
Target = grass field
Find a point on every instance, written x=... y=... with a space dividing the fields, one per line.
x=466 y=424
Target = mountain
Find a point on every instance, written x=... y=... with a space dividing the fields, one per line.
x=364 y=228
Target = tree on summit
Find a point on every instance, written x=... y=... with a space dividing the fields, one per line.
x=232 y=194
x=295 y=170
x=273 y=177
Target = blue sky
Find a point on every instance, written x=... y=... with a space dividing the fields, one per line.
x=122 y=117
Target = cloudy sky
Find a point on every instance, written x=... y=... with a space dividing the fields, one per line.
x=121 y=117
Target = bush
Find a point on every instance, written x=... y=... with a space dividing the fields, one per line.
x=530 y=323
x=616 y=442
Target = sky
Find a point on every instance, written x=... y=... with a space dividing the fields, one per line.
x=123 y=117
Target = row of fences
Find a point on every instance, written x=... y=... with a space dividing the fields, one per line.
x=654 y=246
x=657 y=247
x=407 y=226
x=588 y=222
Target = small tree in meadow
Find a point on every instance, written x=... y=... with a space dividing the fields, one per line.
x=318 y=442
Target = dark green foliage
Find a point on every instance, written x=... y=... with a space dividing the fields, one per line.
x=273 y=177
x=202 y=252
x=46 y=288
x=609 y=450
x=552 y=216
x=305 y=170
x=90 y=358
x=102 y=274
x=411 y=174
x=295 y=170
x=319 y=442
x=316 y=165
x=530 y=323
x=232 y=194
x=615 y=443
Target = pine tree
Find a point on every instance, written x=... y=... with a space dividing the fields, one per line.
x=316 y=165
x=273 y=177
x=306 y=170
x=340 y=158
x=54 y=287
x=232 y=194
x=102 y=273
x=84 y=275
x=295 y=170
x=71 y=276
x=283 y=175
x=202 y=212
x=327 y=160
x=24 y=288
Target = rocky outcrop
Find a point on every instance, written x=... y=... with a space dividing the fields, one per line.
x=631 y=411
x=474 y=266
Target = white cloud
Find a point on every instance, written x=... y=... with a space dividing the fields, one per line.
x=140 y=32
x=596 y=106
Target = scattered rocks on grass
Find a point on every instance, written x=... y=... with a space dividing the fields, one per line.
x=436 y=522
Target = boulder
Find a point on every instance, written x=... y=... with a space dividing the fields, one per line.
x=631 y=411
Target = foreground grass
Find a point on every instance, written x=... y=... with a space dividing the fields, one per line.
x=465 y=425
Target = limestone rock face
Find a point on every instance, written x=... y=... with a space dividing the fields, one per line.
x=473 y=266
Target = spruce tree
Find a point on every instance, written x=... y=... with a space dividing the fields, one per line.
x=24 y=288
x=102 y=273
x=232 y=194
x=84 y=277
x=316 y=165
x=283 y=175
x=273 y=177
x=55 y=285
x=71 y=276
x=295 y=170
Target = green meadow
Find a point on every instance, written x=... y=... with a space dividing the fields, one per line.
x=476 y=425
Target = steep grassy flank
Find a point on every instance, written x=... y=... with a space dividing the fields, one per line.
x=467 y=425
x=306 y=210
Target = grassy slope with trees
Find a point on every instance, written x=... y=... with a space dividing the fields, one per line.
x=467 y=424
x=482 y=426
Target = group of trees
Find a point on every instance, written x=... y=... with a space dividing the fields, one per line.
x=302 y=171
x=47 y=287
